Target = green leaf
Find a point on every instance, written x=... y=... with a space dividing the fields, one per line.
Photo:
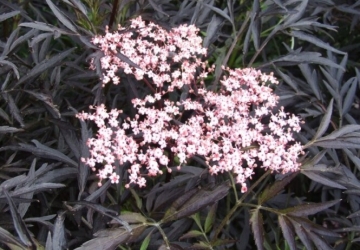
x=137 y=199
x=201 y=246
x=191 y=234
x=257 y=227
x=196 y=218
x=146 y=241
x=132 y=218
x=210 y=218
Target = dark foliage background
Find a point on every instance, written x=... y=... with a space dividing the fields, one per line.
x=50 y=200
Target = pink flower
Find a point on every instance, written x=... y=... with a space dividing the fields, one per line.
x=225 y=129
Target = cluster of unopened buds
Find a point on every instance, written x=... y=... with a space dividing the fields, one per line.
x=226 y=128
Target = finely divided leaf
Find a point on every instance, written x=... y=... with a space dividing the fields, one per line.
x=277 y=187
x=301 y=233
x=308 y=209
x=312 y=39
x=58 y=239
x=288 y=231
x=10 y=64
x=44 y=65
x=19 y=224
x=322 y=179
x=110 y=238
x=201 y=199
x=325 y=121
x=61 y=17
x=8 y=238
x=300 y=9
x=307 y=57
x=8 y=15
x=257 y=226
x=7 y=129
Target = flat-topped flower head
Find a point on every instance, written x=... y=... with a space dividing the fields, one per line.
x=226 y=128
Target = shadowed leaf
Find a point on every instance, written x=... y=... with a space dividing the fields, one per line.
x=60 y=16
x=44 y=65
x=7 y=129
x=8 y=238
x=301 y=233
x=309 y=209
x=58 y=239
x=8 y=15
x=200 y=200
x=111 y=238
x=312 y=39
x=276 y=188
x=19 y=224
x=257 y=227
x=325 y=121
x=287 y=231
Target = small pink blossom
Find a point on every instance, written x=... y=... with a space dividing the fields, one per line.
x=226 y=128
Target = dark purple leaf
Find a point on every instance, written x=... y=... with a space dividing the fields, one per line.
x=288 y=231
x=201 y=199
x=301 y=233
x=36 y=188
x=257 y=226
x=276 y=188
x=111 y=238
x=44 y=151
x=8 y=15
x=44 y=65
x=7 y=129
x=8 y=238
x=292 y=18
x=61 y=16
x=308 y=209
x=58 y=239
x=14 y=110
x=307 y=57
x=322 y=179
x=312 y=39
x=319 y=242
x=19 y=224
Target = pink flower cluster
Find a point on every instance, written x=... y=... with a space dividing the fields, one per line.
x=226 y=128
